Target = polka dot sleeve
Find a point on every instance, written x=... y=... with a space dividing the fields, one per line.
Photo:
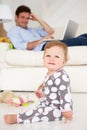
x=65 y=94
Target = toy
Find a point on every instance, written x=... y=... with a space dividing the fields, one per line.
x=8 y=41
x=13 y=99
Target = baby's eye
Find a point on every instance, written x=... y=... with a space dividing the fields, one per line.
x=57 y=57
x=47 y=55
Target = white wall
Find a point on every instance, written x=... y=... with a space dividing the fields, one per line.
x=60 y=11
x=55 y=12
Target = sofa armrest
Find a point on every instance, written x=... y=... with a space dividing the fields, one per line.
x=4 y=47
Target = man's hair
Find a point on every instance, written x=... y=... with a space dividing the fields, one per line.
x=59 y=44
x=22 y=8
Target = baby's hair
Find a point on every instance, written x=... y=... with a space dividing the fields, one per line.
x=59 y=44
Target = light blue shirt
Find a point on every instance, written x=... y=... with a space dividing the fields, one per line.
x=20 y=37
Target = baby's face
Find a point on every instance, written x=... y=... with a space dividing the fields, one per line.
x=54 y=58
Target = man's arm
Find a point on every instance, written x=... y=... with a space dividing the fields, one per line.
x=46 y=27
x=31 y=45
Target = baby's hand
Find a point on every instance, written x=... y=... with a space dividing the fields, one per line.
x=68 y=115
x=39 y=94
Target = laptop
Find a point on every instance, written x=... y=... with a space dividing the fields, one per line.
x=69 y=31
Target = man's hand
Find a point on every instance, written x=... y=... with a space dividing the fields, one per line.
x=48 y=37
x=34 y=17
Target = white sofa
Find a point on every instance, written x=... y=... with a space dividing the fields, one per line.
x=24 y=71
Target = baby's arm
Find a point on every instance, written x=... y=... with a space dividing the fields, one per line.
x=10 y=118
x=40 y=87
x=66 y=104
x=68 y=115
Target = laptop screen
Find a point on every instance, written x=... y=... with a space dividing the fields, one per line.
x=70 y=30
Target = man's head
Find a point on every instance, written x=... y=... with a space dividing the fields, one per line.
x=22 y=15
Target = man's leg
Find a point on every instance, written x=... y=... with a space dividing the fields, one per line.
x=78 y=41
x=72 y=42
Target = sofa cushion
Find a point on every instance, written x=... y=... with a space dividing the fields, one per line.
x=77 y=56
x=24 y=58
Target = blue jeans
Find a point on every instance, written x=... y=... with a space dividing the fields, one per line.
x=81 y=40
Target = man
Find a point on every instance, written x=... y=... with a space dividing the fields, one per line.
x=24 y=37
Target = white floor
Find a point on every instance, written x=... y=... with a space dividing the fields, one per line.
x=79 y=121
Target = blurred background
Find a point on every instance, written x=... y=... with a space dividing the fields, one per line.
x=55 y=12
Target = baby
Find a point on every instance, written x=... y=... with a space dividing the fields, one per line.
x=55 y=90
